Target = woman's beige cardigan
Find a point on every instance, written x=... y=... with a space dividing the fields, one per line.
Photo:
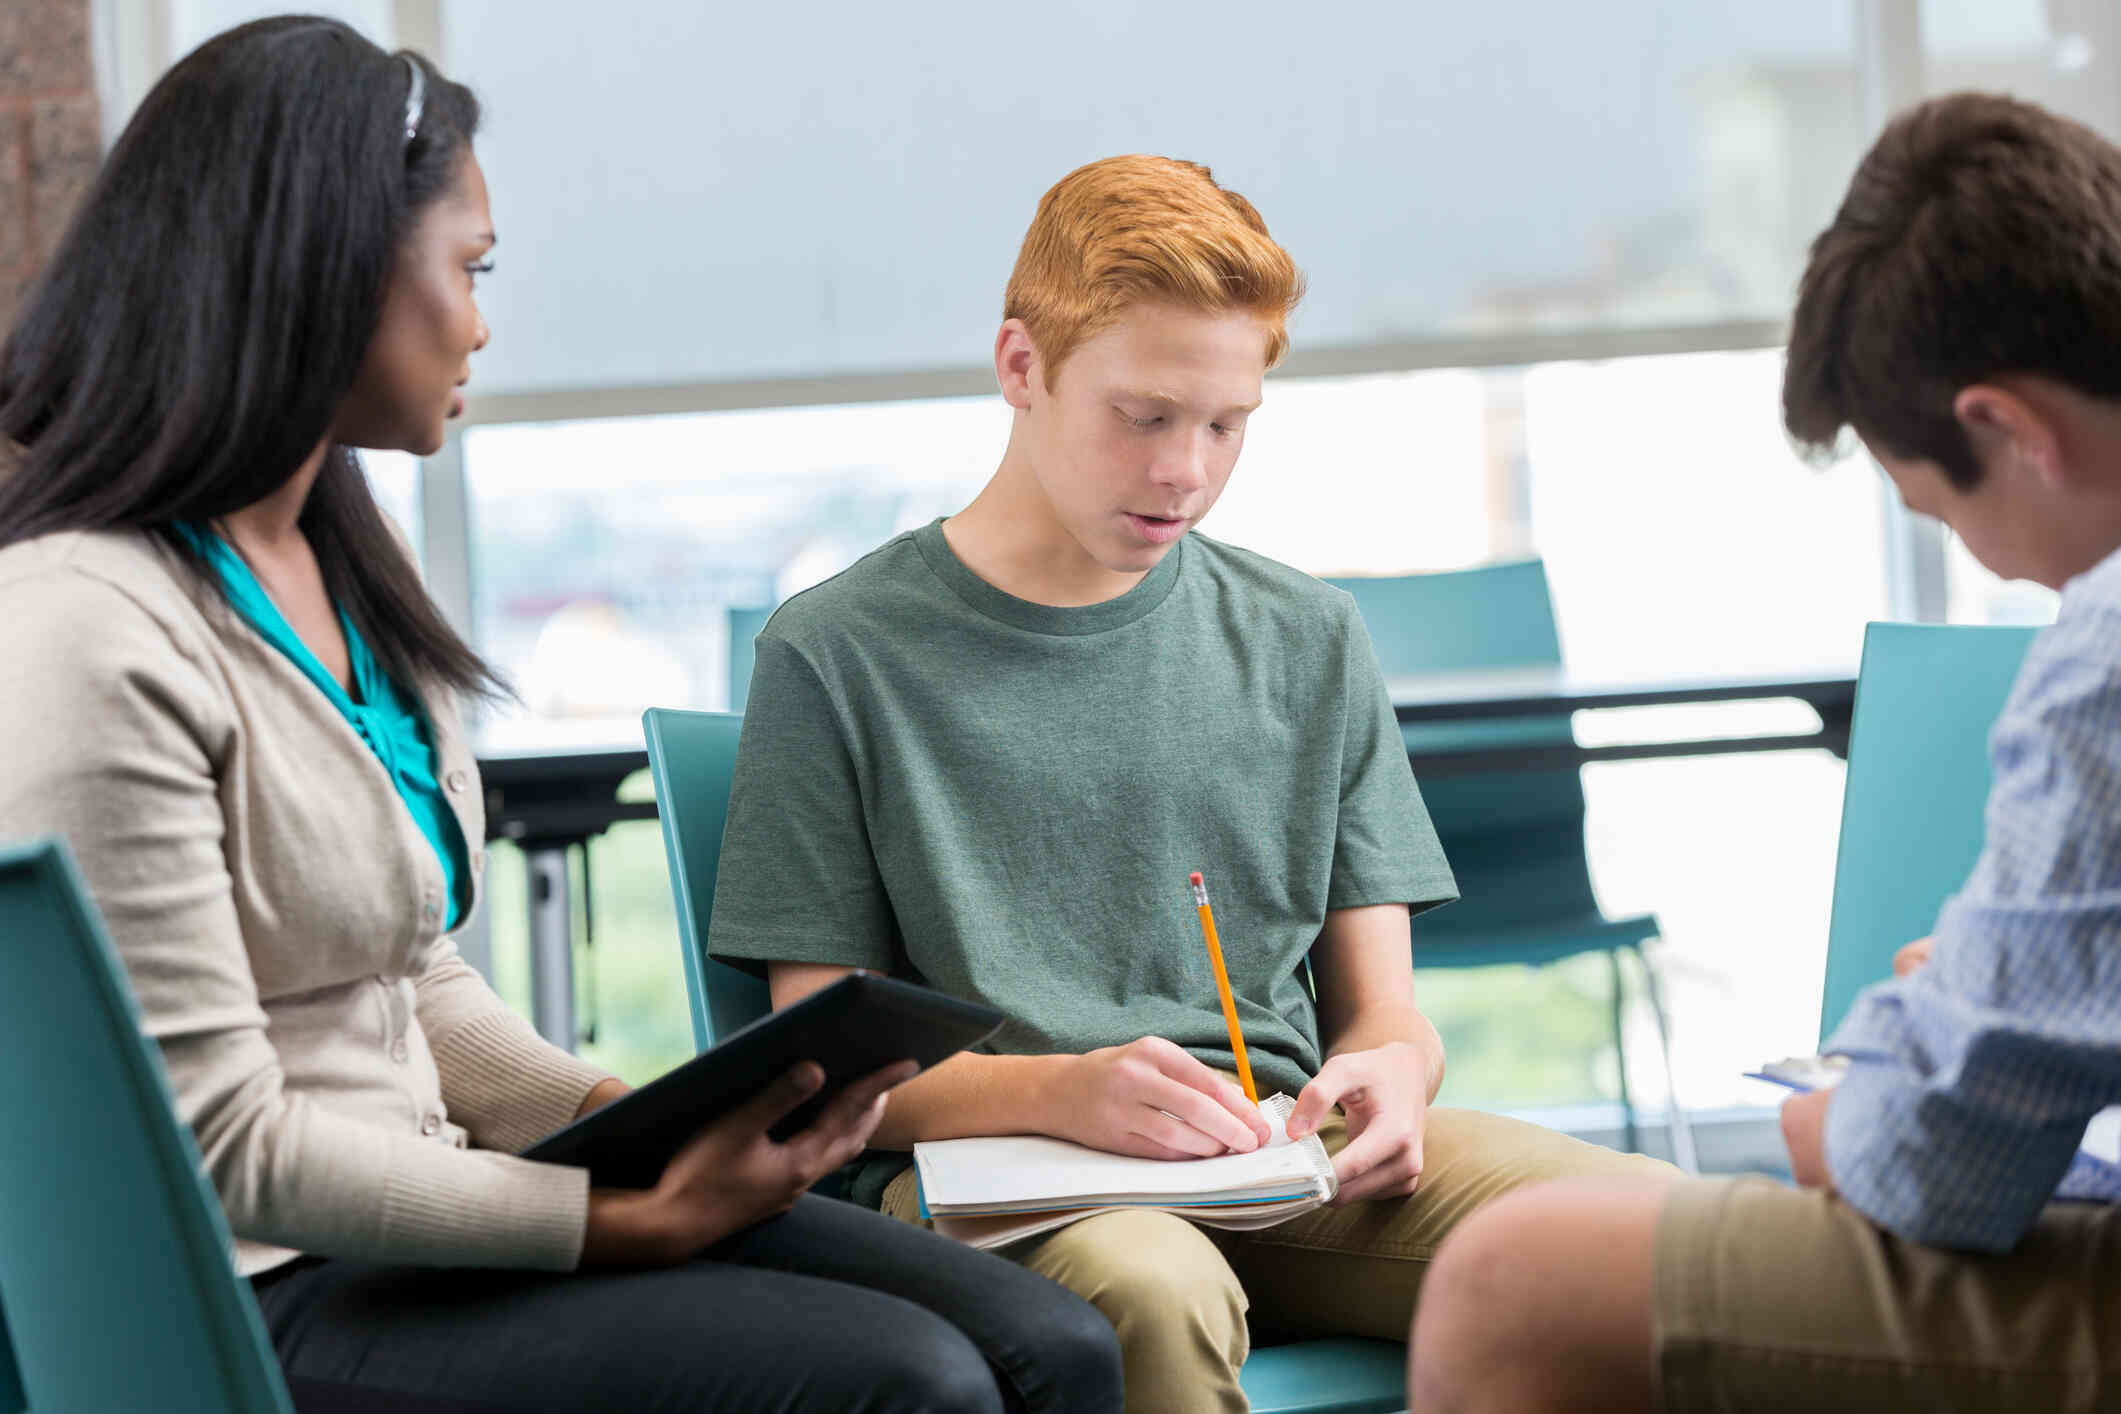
x=354 y=1086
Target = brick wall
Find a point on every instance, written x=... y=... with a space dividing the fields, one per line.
x=50 y=141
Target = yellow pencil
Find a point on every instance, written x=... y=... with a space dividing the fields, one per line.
x=1222 y=983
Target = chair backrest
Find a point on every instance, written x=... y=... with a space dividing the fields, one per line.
x=744 y=626
x=12 y=1399
x=1912 y=810
x=114 y=1256
x=1489 y=616
x=693 y=758
x=1514 y=839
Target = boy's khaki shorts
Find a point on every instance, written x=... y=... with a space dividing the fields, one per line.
x=1780 y=1299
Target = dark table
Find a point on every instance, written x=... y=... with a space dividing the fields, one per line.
x=547 y=802
x=1503 y=693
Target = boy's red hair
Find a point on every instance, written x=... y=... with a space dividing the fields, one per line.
x=1128 y=229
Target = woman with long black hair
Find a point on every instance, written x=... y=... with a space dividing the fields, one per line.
x=225 y=687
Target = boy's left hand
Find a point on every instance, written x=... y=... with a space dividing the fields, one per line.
x=1385 y=1095
x=1804 y=1134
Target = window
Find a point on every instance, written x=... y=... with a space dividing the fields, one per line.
x=1978 y=596
x=1677 y=525
x=2064 y=56
x=395 y=479
x=613 y=554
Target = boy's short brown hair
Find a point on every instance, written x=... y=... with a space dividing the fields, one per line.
x=1980 y=236
x=1128 y=229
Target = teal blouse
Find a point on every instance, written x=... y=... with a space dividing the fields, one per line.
x=388 y=718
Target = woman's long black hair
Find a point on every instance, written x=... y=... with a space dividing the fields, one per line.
x=198 y=326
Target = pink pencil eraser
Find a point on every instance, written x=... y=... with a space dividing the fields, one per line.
x=1194 y=878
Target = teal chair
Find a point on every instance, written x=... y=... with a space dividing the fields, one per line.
x=744 y=626
x=1515 y=840
x=693 y=758
x=115 y=1279
x=12 y=1399
x=1913 y=808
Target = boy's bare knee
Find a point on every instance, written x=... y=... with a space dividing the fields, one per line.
x=1537 y=1293
x=1465 y=1323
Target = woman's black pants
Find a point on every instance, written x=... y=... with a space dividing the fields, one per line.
x=829 y=1307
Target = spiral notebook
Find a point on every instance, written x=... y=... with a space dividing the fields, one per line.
x=990 y=1192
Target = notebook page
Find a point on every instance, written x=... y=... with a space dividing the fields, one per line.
x=1001 y=1229
x=1031 y=1168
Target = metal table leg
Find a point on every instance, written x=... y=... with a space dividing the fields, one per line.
x=551 y=945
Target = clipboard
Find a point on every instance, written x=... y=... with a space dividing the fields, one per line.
x=1803 y=1074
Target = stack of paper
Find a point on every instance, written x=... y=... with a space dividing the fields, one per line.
x=1803 y=1073
x=990 y=1192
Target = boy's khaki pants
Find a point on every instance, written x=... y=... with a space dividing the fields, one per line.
x=1188 y=1302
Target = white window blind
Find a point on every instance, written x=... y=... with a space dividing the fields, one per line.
x=193 y=22
x=695 y=193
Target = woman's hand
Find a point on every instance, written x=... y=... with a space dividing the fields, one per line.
x=1151 y=1099
x=734 y=1173
x=602 y=1094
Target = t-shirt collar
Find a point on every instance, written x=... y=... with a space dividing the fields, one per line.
x=1006 y=608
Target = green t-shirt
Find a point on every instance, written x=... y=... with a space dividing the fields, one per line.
x=1003 y=799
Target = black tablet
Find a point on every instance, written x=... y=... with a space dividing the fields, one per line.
x=858 y=1024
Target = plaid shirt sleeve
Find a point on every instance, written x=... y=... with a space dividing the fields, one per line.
x=1972 y=1081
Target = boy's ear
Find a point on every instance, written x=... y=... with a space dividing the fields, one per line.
x=2009 y=432
x=1016 y=363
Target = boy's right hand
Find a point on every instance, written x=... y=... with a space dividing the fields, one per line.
x=1911 y=958
x=1151 y=1099
x=734 y=1174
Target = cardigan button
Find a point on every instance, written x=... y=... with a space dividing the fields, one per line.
x=399 y=1051
x=457 y=781
x=431 y=1126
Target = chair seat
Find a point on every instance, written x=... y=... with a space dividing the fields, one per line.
x=1327 y=1377
x=1438 y=945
